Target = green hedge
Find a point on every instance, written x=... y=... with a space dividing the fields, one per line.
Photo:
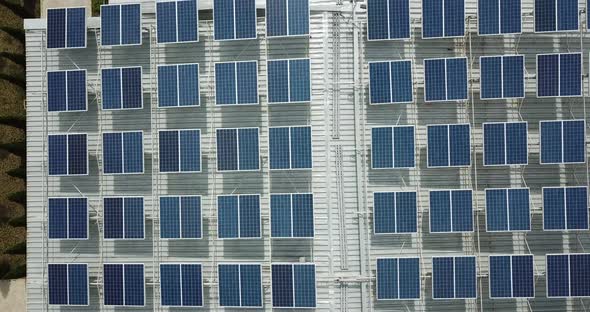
x=19 y=271
x=18 y=249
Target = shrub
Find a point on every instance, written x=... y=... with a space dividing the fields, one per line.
x=18 y=249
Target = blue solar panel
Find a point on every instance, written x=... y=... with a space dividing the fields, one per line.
x=565 y=208
x=120 y=24
x=454 y=277
x=123 y=218
x=498 y=17
x=180 y=217
x=122 y=152
x=395 y=212
x=123 y=284
x=290 y=148
x=449 y=145
x=563 y=141
x=66 y=28
x=445 y=79
x=398 y=278
x=238 y=216
x=237 y=149
x=559 y=74
x=66 y=91
x=392 y=147
x=443 y=19
x=505 y=143
x=121 y=88
x=236 y=83
x=289 y=81
x=287 y=18
x=68 y=284
x=181 y=285
x=67 y=154
x=68 y=218
x=511 y=277
x=178 y=85
x=388 y=19
x=180 y=150
x=240 y=285
x=508 y=210
x=177 y=21
x=391 y=82
x=502 y=77
x=293 y=285
x=291 y=215
x=568 y=275
x=556 y=15
x=234 y=19
x=451 y=211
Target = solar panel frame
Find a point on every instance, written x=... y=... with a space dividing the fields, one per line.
x=559 y=75
x=181 y=264
x=292 y=237
x=428 y=165
x=511 y=275
x=122 y=83
x=446 y=81
x=452 y=230
x=238 y=211
x=180 y=197
x=398 y=279
x=121 y=31
x=177 y=66
x=236 y=99
x=291 y=162
x=268 y=80
x=390 y=80
x=287 y=18
x=508 y=209
x=123 y=218
x=237 y=149
x=67 y=135
x=239 y=264
x=122 y=153
x=68 y=281
x=569 y=273
x=393 y=146
x=563 y=148
x=454 y=277
x=66 y=29
x=49 y=90
x=123 y=279
x=179 y=131
x=389 y=19
x=556 y=25
x=397 y=232
x=443 y=22
x=500 y=33
x=506 y=137
x=177 y=22
x=235 y=25
x=565 y=209
x=502 y=57
x=293 y=289
x=67 y=198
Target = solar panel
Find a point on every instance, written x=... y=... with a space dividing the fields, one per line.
x=293 y=285
x=180 y=217
x=559 y=75
x=565 y=208
x=499 y=17
x=180 y=150
x=443 y=19
x=287 y=18
x=120 y=24
x=68 y=284
x=505 y=143
x=237 y=149
x=236 y=83
x=234 y=19
x=445 y=79
x=290 y=148
x=240 y=285
x=451 y=211
x=398 y=278
x=123 y=218
x=178 y=85
x=68 y=218
x=177 y=21
x=291 y=216
x=181 y=285
x=556 y=15
x=454 y=277
x=67 y=154
x=395 y=212
x=563 y=141
x=122 y=152
x=66 y=91
x=508 y=210
x=289 y=81
x=568 y=275
x=66 y=28
x=392 y=147
x=391 y=82
x=388 y=19
x=449 y=145
x=238 y=216
x=121 y=88
x=511 y=276
x=123 y=284
x=502 y=77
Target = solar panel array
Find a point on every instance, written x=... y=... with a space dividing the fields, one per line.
x=289 y=81
x=454 y=277
x=391 y=82
x=123 y=218
x=120 y=24
x=395 y=212
x=505 y=143
x=393 y=147
x=177 y=21
x=287 y=18
x=180 y=150
x=66 y=28
x=178 y=85
x=66 y=91
x=291 y=216
x=180 y=217
x=68 y=284
x=181 y=284
x=240 y=285
x=289 y=148
x=67 y=154
x=238 y=216
x=124 y=284
x=512 y=276
x=568 y=275
x=234 y=19
x=398 y=278
x=508 y=210
x=67 y=218
x=293 y=285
